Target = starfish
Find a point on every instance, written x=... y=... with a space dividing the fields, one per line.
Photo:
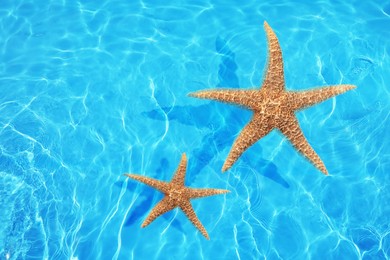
x=274 y=107
x=176 y=195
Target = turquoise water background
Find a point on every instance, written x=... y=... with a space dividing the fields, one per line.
x=90 y=90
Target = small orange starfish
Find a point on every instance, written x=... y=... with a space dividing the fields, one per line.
x=273 y=107
x=176 y=195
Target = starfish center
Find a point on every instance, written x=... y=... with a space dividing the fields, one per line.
x=176 y=195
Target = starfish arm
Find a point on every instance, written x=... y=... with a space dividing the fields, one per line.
x=200 y=193
x=274 y=77
x=190 y=213
x=162 y=207
x=243 y=97
x=159 y=185
x=304 y=99
x=252 y=132
x=180 y=174
x=294 y=134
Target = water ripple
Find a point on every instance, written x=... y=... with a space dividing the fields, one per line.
x=91 y=90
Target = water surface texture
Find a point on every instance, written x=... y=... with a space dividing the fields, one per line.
x=90 y=90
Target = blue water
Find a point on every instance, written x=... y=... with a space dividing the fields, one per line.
x=90 y=90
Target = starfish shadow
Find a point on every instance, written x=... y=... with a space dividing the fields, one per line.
x=269 y=170
x=227 y=69
x=217 y=139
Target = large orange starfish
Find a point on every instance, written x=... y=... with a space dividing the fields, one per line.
x=176 y=195
x=274 y=107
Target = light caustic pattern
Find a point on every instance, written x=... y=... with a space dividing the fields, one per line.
x=90 y=90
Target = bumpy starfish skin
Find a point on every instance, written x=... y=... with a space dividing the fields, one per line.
x=273 y=107
x=176 y=195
